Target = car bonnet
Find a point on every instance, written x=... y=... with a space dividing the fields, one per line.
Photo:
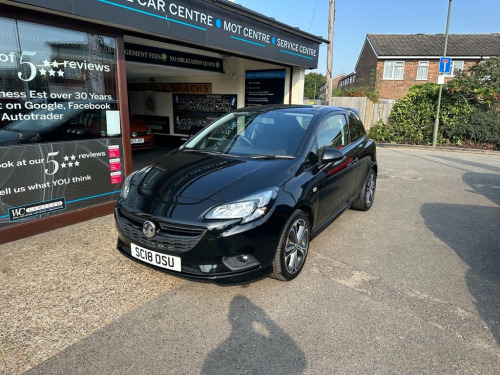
x=188 y=177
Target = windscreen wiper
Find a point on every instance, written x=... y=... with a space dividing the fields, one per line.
x=272 y=157
x=209 y=152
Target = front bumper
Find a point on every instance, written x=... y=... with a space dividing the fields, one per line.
x=147 y=144
x=202 y=249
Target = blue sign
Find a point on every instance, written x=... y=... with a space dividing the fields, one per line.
x=445 y=65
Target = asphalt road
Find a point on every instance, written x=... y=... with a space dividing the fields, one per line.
x=410 y=287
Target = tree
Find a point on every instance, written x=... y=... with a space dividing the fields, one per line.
x=479 y=89
x=470 y=112
x=480 y=85
x=312 y=83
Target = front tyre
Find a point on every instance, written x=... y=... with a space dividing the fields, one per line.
x=292 y=248
x=367 y=194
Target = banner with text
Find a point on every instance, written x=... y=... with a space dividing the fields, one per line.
x=200 y=22
x=44 y=179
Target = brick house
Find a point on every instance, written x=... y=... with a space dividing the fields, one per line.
x=335 y=84
x=393 y=63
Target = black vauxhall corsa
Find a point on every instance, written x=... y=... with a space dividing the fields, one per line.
x=243 y=197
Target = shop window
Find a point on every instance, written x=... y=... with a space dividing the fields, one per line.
x=60 y=144
x=57 y=84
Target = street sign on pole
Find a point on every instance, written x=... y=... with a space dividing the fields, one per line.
x=445 y=65
x=436 y=121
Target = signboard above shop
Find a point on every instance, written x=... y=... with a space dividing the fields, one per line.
x=160 y=56
x=200 y=22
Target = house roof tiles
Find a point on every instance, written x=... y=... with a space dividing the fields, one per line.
x=462 y=45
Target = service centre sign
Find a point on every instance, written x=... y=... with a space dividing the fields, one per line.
x=199 y=22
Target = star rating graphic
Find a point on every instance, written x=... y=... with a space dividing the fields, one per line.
x=50 y=68
x=70 y=162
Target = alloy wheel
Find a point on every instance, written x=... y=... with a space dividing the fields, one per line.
x=297 y=245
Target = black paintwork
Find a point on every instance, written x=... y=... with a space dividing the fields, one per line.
x=181 y=187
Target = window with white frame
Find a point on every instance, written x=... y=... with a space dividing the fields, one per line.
x=394 y=69
x=422 y=70
x=456 y=66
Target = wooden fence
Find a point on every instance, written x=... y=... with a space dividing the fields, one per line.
x=370 y=113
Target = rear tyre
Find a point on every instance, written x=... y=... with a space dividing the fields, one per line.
x=367 y=194
x=293 y=247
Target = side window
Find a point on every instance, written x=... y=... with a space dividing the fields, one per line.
x=332 y=133
x=356 y=127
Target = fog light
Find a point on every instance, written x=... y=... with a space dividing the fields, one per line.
x=240 y=262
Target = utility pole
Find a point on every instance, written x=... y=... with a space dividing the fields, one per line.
x=436 y=122
x=328 y=87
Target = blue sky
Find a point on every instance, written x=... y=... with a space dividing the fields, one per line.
x=356 y=18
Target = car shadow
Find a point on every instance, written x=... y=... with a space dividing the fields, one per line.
x=473 y=232
x=256 y=345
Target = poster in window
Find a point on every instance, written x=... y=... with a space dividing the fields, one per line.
x=192 y=112
x=59 y=121
x=264 y=87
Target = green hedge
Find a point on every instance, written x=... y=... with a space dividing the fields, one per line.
x=412 y=119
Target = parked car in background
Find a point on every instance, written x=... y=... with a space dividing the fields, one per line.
x=243 y=198
x=141 y=137
x=42 y=125
x=58 y=123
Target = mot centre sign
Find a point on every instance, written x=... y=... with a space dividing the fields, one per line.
x=200 y=22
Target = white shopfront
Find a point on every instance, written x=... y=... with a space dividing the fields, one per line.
x=73 y=73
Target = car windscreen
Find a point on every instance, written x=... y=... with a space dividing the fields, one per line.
x=277 y=133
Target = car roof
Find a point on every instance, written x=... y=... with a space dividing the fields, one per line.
x=297 y=108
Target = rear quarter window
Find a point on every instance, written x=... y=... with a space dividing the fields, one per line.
x=357 y=128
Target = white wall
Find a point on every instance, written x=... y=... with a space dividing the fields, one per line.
x=231 y=82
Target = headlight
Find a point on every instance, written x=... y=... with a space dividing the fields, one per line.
x=248 y=209
x=126 y=186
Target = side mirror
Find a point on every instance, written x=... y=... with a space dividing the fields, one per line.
x=331 y=155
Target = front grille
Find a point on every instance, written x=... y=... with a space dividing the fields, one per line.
x=170 y=237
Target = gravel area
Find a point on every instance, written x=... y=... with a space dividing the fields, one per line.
x=60 y=286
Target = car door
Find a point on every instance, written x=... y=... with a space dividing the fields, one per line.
x=337 y=181
x=360 y=151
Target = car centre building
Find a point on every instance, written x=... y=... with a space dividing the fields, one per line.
x=73 y=73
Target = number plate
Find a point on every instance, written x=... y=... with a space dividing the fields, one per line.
x=137 y=140
x=168 y=262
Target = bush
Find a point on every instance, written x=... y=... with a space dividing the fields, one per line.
x=358 y=92
x=412 y=117
x=469 y=112
x=480 y=127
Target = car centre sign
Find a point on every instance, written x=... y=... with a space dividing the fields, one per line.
x=199 y=22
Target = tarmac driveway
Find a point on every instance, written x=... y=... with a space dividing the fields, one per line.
x=411 y=286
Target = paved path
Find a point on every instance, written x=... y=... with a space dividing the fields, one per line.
x=411 y=286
